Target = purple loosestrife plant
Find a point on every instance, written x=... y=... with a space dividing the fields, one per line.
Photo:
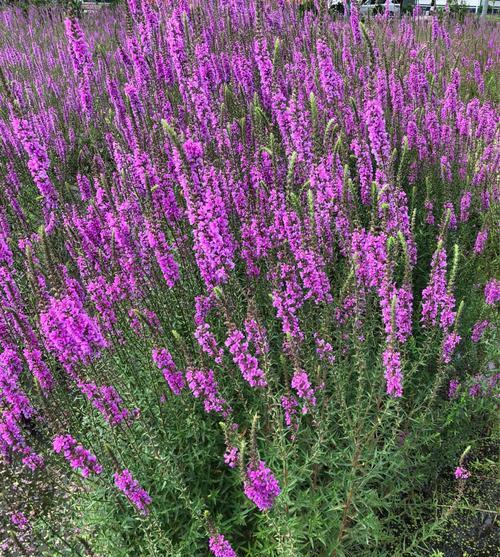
x=82 y=62
x=133 y=491
x=393 y=373
x=78 y=456
x=301 y=384
x=203 y=385
x=435 y=297
x=492 y=292
x=259 y=187
x=220 y=547
x=70 y=333
x=481 y=239
x=107 y=401
x=479 y=329
x=175 y=379
x=248 y=364
x=450 y=343
x=260 y=486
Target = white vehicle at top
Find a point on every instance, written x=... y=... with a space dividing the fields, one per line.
x=370 y=7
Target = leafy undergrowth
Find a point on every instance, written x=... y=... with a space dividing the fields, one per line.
x=472 y=530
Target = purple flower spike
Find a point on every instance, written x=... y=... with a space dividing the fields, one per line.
x=220 y=547
x=260 y=486
x=78 y=457
x=133 y=491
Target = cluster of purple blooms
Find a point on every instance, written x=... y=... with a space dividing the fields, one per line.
x=260 y=485
x=203 y=385
x=492 y=292
x=78 y=456
x=70 y=332
x=220 y=547
x=20 y=521
x=107 y=401
x=175 y=379
x=132 y=490
x=461 y=473
x=301 y=384
x=246 y=362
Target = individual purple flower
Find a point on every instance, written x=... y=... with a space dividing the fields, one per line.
x=461 y=473
x=220 y=547
x=78 y=456
x=132 y=490
x=231 y=457
x=492 y=292
x=175 y=379
x=260 y=486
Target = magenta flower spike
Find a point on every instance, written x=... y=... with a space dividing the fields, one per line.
x=132 y=490
x=260 y=486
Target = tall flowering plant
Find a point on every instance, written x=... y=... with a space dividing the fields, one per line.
x=212 y=211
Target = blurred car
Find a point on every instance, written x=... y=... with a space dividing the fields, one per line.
x=336 y=6
x=372 y=7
